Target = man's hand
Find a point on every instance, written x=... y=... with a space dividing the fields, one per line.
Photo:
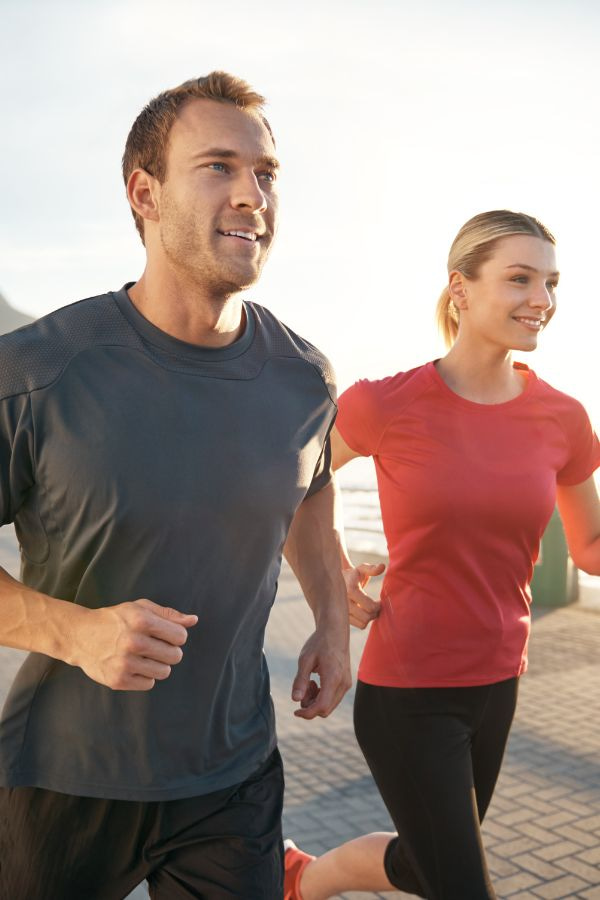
x=331 y=661
x=361 y=608
x=313 y=551
x=130 y=646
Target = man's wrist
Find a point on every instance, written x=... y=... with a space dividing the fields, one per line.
x=53 y=625
x=332 y=617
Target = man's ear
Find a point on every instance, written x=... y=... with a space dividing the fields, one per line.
x=457 y=286
x=142 y=193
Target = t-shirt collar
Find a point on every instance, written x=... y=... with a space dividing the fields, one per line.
x=153 y=335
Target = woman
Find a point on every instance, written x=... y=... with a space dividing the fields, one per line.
x=471 y=452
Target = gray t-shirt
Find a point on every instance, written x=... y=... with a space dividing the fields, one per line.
x=136 y=465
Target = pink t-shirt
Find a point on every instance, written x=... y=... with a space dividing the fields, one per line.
x=466 y=491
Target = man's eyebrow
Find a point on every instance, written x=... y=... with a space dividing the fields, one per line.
x=530 y=268
x=223 y=153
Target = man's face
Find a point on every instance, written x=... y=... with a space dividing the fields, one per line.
x=218 y=203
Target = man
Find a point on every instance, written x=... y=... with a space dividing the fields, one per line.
x=155 y=444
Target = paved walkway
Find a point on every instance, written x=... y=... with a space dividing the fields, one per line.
x=542 y=832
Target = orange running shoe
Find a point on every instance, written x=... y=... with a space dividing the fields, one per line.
x=295 y=862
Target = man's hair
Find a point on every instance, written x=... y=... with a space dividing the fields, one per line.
x=147 y=141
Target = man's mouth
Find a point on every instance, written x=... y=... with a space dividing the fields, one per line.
x=245 y=235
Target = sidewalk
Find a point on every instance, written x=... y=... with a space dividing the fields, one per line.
x=542 y=832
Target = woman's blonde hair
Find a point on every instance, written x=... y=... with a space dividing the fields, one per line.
x=473 y=246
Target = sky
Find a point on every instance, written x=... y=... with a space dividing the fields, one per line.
x=395 y=123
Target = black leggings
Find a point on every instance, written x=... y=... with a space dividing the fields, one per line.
x=435 y=755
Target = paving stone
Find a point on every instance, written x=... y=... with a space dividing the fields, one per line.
x=575 y=866
x=591 y=856
x=519 y=882
x=559 y=818
x=592 y=894
x=583 y=838
x=557 y=850
x=510 y=849
x=564 y=887
x=523 y=895
x=532 y=863
x=499 y=867
x=537 y=832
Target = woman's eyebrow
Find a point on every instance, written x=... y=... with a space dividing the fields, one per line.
x=531 y=268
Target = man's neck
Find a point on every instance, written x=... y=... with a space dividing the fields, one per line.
x=188 y=313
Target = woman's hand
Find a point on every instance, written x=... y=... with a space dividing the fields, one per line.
x=361 y=607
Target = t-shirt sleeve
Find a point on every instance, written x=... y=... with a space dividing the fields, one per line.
x=361 y=417
x=584 y=448
x=16 y=457
x=323 y=472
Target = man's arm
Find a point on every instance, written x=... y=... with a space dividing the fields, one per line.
x=313 y=551
x=125 y=647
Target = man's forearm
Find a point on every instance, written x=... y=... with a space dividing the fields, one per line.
x=314 y=550
x=126 y=646
x=30 y=620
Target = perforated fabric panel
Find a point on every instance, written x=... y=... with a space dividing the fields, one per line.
x=34 y=356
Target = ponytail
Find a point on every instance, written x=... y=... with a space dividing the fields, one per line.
x=447 y=317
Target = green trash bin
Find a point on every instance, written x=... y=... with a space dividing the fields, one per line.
x=555 y=578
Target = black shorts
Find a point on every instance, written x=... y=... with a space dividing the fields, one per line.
x=220 y=845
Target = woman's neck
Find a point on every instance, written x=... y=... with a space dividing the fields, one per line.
x=483 y=377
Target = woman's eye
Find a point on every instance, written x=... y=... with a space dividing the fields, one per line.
x=520 y=279
x=552 y=285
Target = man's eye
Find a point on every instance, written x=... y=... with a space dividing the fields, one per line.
x=217 y=166
x=269 y=176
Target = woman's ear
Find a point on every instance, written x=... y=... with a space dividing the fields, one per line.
x=457 y=286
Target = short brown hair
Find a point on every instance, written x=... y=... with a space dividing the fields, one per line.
x=146 y=143
x=473 y=246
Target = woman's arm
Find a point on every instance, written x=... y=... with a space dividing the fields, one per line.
x=361 y=608
x=579 y=509
x=341 y=453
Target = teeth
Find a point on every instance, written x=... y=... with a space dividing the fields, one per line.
x=536 y=323
x=248 y=235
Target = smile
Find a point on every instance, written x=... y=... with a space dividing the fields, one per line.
x=535 y=324
x=246 y=235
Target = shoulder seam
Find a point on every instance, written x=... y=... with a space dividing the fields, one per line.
x=556 y=417
x=306 y=362
x=41 y=387
x=423 y=390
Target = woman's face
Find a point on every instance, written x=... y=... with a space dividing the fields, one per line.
x=512 y=298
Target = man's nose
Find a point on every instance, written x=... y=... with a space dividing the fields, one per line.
x=247 y=193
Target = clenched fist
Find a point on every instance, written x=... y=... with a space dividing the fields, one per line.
x=130 y=646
